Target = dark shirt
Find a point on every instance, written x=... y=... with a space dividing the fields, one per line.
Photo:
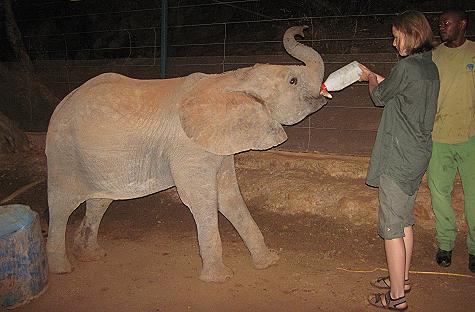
x=403 y=143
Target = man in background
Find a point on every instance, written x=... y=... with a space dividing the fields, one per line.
x=454 y=134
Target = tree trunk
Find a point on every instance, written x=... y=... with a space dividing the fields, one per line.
x=12 y=139
x=15 y=38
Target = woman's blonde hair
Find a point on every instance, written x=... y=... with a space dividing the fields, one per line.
x=417 y=31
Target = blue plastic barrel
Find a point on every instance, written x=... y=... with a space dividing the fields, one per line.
x=23 y=263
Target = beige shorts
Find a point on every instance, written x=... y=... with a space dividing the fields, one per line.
x=396 y=209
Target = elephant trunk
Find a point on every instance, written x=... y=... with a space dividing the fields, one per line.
x=309 y=56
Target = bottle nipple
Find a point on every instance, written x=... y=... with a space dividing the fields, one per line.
x=324 y=91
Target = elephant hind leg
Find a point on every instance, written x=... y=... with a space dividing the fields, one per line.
x=232 y=206
x=60 y=208
x=85 y=246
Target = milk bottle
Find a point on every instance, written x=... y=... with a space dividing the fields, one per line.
x=341 y=78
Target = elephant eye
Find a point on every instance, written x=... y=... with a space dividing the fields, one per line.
x=293 y=81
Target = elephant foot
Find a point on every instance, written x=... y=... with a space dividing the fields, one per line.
x=263 y=261
x=59 y=264
x=216 y=273
x=89 y=253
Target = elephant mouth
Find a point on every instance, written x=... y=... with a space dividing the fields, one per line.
x=312 y=105
x=316 y=102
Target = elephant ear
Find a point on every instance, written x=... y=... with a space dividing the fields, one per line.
x=226 y=123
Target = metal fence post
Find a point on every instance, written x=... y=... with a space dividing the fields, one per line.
x=163 y=39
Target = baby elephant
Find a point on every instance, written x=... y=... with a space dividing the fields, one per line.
x=116 y=137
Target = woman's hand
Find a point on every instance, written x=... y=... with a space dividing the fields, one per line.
x=365 y=72
x=367 y=75
x=372 y=78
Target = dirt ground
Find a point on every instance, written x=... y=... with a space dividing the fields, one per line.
x=313 y=209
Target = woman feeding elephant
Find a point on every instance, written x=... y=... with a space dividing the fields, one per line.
x=402 y=148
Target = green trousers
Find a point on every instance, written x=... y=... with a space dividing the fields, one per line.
x=445 y=161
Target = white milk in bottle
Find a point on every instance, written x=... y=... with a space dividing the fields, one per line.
x=341 y=78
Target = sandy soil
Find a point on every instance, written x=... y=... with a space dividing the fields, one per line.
x=313 y=209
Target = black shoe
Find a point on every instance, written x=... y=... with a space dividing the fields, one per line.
x=444 y=258
x=471 y=262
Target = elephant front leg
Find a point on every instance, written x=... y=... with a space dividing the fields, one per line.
x=211 y=251
x=233 y=207
x=236 y=212
x=197 y=190
x=86 y=247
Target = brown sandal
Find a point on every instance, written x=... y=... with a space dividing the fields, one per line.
x=388 y=302
x=381 y=283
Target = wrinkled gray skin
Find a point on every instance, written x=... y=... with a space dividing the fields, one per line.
x=119 y=138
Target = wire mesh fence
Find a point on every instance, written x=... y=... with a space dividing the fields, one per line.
x=69 y=47
x=135 y=33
